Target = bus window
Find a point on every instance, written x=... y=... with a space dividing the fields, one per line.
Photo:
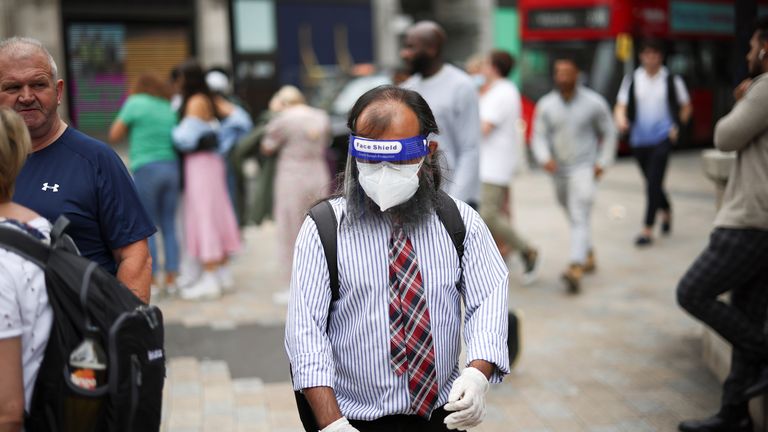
x=600 y=69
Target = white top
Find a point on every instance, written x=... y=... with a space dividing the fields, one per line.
x=346 y=347
x=24 y=308
x=452 y=96
x=499 y=150
x=653 y=119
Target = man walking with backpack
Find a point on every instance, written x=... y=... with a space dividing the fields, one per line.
x=654 y=107
x=381 y=350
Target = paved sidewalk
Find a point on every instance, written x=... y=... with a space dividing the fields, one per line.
x=621 y=356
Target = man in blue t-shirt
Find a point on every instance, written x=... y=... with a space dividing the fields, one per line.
x=69 y=173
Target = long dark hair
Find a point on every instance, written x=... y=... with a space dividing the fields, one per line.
x=192 y=83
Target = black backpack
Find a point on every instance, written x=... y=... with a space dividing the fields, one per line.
x=86 y=298
x=325 y=219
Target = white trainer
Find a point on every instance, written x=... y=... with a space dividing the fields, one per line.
x=226 y=279
x=206 y=288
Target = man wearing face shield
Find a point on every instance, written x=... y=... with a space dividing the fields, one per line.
x=385 y=354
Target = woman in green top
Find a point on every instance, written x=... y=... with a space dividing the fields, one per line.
x=147 y=119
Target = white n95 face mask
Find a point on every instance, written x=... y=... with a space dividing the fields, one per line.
x=389 y=184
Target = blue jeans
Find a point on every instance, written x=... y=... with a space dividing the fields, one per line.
x=158 y=187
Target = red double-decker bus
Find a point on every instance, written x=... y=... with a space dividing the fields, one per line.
x=599 y=34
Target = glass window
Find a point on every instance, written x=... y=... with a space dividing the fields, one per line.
x=254 y=22
x=600 y=69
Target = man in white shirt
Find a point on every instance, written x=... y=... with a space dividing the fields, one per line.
x=452 y=96
x=384 y=354
x=574 y=140
x=500 y=112
x=652 y=106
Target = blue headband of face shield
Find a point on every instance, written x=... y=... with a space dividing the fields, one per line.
x=388 y=150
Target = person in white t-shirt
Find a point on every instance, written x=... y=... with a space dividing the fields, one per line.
x=500 y=112
x=652 y=107
x=25 y=315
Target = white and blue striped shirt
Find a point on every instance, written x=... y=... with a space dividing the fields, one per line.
x=352 y=356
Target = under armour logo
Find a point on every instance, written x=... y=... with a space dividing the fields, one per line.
x=55 y=187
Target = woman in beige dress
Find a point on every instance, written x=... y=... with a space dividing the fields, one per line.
x=301 y=135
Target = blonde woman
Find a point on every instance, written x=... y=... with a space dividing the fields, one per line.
x=25 y=315
x=301 y=134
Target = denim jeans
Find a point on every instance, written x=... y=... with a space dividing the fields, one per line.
x=158 y=187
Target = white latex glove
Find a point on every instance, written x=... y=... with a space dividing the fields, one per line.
x=340 y=425
x=467 y=398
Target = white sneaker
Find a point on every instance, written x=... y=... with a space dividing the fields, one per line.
x=186 y=279
x=206 y=288
x=171 y=289
x=226 y=279
x=281 y=297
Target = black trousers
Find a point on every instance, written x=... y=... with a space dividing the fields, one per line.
x=653 y=164
x=735 y=260
x=404 y=423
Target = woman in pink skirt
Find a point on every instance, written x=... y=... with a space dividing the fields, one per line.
x=211 y=231
x=301 y=134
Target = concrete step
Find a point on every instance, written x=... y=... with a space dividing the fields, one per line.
x=201 y=396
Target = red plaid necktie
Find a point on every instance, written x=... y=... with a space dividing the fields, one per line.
x=411 y=346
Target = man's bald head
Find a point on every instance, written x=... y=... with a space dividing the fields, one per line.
x=18 y=47
x=422 y=47
x=430 y=33
x=377 y=109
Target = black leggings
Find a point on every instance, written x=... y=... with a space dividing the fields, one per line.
x=653 y=164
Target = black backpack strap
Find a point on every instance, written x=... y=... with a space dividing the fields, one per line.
x=59 y=238
x=25 y=245
x=448 y=213
x=631 y=101
x=672 y=102
x=325 y=219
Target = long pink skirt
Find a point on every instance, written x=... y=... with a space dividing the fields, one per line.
x=210 y=224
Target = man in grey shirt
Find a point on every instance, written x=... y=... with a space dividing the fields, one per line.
x=737 y=255
x=452 y=96
x=571 y=125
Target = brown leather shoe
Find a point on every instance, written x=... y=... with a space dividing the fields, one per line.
x=590 y=265
x=572 y=278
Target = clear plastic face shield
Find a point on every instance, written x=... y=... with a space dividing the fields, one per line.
x=389 y=169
